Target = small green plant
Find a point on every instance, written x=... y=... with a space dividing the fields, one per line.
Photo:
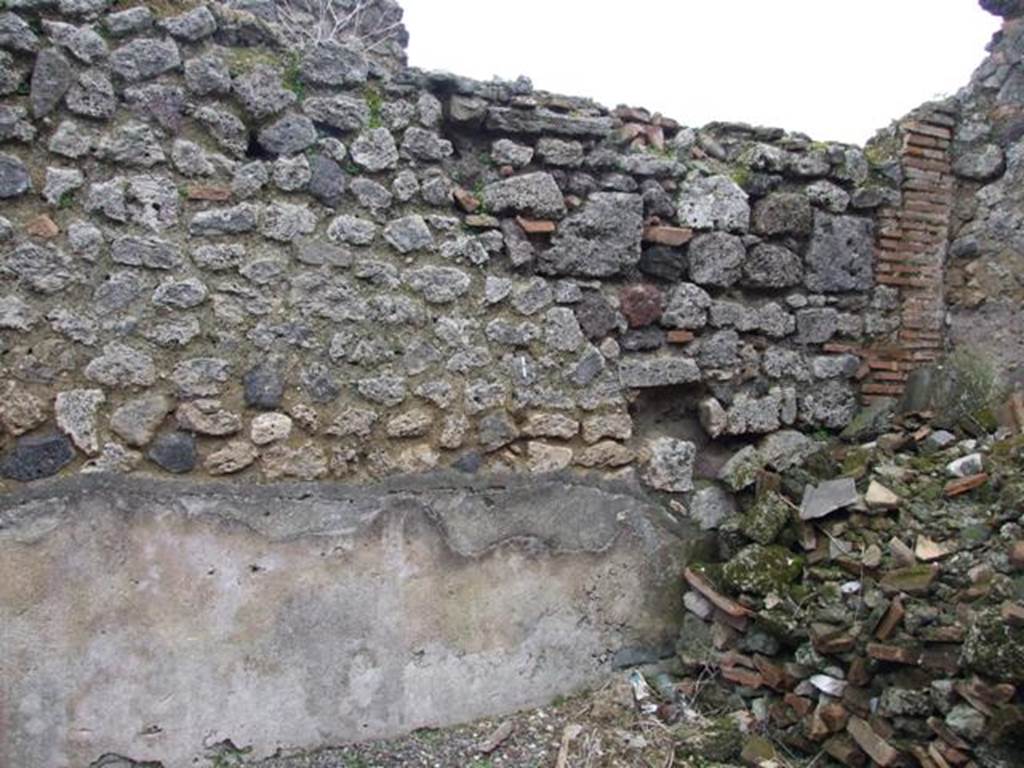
x=375 y=103
x=293 y=77
x=66 y=200
x=662 y=151
x=882 y=149
x=741 y=175
x=244 y=60
x=429 y=735
x=227 y=755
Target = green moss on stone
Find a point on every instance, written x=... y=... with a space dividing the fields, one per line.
x=766 y=519
x=741 y=176
x=856 y=463
x=720 y=740
x=994 y=648
x=913 y=579
x=883 y=149
x=760 y=569
x=780 y=623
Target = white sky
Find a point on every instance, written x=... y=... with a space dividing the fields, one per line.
x=834 y=69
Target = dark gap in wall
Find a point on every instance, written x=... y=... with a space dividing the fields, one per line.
x=256 y=152
x=672 y=412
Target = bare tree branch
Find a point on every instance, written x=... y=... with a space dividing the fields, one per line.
x=309 y=22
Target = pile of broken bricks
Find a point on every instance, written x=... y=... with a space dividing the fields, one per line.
x=867 y=606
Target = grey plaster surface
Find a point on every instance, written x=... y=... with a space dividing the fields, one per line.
x=152 y=619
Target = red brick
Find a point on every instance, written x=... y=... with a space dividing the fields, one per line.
x=842 y=749
x=466 y=200
x=536 y=226
x=43 y=227
x=720 y=601
x=680 y=337
x=894 y=653
x=1017 y=555
x=965 y=484
x=1013 y=614
x=882 y=389
x=892 y=618
x=940 y=729
x=671 y=236
x=923 y=129
x=208 y=192
x=877 y=748
x=744 y=677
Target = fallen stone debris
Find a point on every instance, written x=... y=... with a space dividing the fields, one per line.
x=879 y=619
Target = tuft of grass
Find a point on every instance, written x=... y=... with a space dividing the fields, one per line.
x=663 y=151
x=227 y=755
x=243 y=60
x=375 y=103
x=66 y=200
x=160 y=8
x=293 y=77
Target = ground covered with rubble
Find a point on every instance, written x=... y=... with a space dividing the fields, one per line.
x=603 y=728
x=865 y=601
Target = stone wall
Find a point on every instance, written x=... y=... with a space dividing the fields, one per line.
x=223 y=254
x=985 y=285
x=241 y=248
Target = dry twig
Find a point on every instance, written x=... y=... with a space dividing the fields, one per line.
x=311 y=22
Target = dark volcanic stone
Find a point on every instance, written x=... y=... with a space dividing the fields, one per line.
x=174 y=452
x=1005 y=8
x=328 y=181
x=469 y=462
x=35 y=457
x=642 y=340
x=51 y=78
x=264 y=387
x=595 y=315
x=319 y=384
x=14 y=177
x=663 y=262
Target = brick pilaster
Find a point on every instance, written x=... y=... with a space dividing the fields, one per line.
x=911 y=254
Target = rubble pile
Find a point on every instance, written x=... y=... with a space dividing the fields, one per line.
x=867 y=603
